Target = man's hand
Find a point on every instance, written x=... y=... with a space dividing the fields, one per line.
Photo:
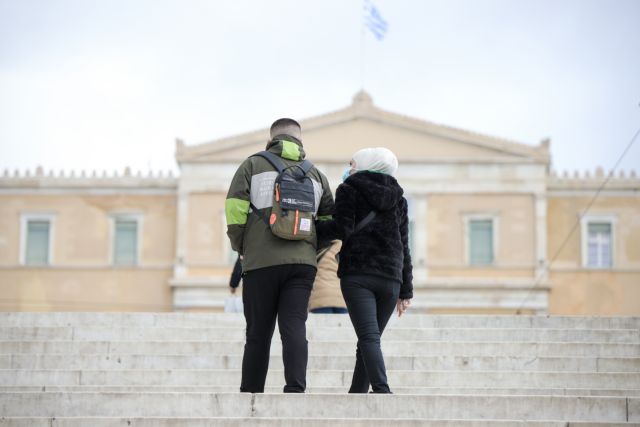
x=402 y=305
x=232 y=290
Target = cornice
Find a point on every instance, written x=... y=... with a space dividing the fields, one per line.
x=362 y=108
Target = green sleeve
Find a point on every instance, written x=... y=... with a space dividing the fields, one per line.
x=236 y=206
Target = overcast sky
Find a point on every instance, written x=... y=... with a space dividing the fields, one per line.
x=107 y=84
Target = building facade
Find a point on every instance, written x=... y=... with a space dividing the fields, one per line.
x=492 y=229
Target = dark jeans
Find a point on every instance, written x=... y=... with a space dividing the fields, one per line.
x=330 y=310
x=280 y=291
x=371 y=301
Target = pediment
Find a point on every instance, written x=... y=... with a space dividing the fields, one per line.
x=334 y=137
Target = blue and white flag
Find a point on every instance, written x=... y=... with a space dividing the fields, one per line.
x=373 y=20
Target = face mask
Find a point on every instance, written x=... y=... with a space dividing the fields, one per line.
x=346 y=174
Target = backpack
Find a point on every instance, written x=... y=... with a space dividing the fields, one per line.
x=294 y=203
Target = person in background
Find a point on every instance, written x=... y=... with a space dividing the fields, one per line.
x=326 y=296
x=236 y=275
x=375 y=264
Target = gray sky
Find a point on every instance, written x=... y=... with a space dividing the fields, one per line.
x=107 y=84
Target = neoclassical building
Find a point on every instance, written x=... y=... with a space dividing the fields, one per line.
x=487 y=218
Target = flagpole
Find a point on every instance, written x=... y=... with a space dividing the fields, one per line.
x=362 y=57
x=362 y=52
x=373 y=21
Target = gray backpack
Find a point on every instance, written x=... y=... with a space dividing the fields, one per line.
x=294 y=203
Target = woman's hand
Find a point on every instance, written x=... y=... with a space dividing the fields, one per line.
x=402 y=305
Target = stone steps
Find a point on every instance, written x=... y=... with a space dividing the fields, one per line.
x=322 y=362
x=390 y=348
x=183 y=369
x=335 y=378
x=110 y=319
x=390 y=407
x=318 y=333
x=283 y=422
x=537 y=391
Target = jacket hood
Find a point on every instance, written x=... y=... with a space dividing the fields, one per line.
x=287 y=147
x=381 y=191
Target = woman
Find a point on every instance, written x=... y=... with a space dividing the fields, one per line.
x=375 y=265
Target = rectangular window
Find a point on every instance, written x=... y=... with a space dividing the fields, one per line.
x=599 y=251
x=125 y=245
x=481 y=242
x=37 y=244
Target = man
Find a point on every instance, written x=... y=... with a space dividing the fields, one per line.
x=278 y=274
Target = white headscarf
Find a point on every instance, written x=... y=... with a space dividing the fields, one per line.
x=379 y=159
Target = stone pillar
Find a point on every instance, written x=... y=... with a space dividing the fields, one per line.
x=421 y=235
x=541 y=273
x=182 y=219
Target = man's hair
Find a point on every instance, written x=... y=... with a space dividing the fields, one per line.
x=286 y=126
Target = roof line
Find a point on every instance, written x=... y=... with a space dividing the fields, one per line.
x=363 y=107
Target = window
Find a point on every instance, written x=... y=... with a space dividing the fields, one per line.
x=36 y=239
x=37 y=251
x=125 y=244
x=599 y=244
x=597 y=247
x=481 y=244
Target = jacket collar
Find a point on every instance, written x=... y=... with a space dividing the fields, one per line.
x=287 y=147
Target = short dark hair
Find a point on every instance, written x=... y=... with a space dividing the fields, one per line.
x=284 y=122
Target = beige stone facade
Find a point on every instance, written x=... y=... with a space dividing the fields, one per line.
x=456 y=182
x=80 y=274
x=578 y=289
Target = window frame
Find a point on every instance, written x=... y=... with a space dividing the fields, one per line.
x=495 y=223
x=584 y=239
x=127 y=216
x=24 y=222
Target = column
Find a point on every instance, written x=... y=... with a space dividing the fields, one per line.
x=182 y=218
x=542 y=274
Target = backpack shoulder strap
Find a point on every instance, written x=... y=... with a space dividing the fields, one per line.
x=262 y=216
x=364 y=221
x=273 y=159
x=306 y=166
x=276 y=163
x=360 y=225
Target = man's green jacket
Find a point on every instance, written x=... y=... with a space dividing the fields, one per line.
x=249 y=234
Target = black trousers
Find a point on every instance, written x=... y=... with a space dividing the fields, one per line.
x=370 y=301
x=268 y=293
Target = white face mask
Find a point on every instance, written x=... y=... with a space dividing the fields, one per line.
x=346 y=174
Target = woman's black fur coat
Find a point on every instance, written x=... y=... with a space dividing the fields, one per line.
x=381 y=248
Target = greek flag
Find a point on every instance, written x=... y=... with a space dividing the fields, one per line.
x=373 y=20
